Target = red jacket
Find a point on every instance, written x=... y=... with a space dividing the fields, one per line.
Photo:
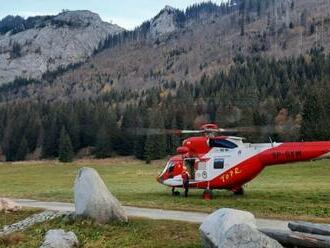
x=185 y=176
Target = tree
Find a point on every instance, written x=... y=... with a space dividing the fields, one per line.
x=155 y=146
x=50 y=137
x=149 y=149
x=311 y=128
x=22 y=150
x=103 y=148
x=16 y=50
x=65 y=147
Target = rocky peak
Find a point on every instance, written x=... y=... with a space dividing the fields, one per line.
x=165 y=22
x=169 y=9
x=79 y=18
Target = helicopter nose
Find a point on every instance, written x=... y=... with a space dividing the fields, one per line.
x=160 y=179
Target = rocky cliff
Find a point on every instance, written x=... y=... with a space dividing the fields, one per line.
x=42 y=44
x=164 y=23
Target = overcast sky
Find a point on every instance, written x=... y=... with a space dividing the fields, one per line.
x=125 y=13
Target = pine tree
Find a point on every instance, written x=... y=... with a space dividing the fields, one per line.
x=149 y=149
x=103 y=148
x=311 y=128
x=155 y=146
x=22 y=150
x=65 y=147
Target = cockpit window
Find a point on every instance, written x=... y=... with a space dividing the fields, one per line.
x=169 y=167
x=222 y=143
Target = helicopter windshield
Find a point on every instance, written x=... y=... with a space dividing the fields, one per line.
x=169 y=165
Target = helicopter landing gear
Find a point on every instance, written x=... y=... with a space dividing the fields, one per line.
x=207 y=194
x=238 y=191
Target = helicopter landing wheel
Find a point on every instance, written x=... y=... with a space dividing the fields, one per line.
x=238 y=191
x=207 y=194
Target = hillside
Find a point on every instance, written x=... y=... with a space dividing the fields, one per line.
x=31 y=47
x=260 y=64
x=178 y=46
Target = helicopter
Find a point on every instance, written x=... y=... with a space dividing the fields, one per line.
x=226 y=162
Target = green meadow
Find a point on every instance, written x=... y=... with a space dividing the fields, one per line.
x=298 y=191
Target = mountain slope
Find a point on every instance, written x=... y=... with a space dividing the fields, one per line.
x=43 y=44
x=178 y=46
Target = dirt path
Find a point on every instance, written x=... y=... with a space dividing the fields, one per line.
x=149 y=213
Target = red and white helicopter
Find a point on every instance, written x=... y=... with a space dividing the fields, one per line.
x=226 y=162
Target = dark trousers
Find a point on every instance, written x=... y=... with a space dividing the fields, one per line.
x=186 y=188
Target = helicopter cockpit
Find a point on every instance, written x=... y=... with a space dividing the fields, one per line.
x=230 y=142
x=221 y=143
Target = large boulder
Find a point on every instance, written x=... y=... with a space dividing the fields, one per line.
x=219 y=228
x=244 y=236
x=60 y=239
x=8 y=205
x=94 y=200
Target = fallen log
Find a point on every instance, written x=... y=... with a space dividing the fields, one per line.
x=296 y=239
x=307 y=227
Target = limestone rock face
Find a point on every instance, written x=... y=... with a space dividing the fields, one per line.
x=244 y=236
x=94 y=200
x=164 y=22
x=52 y=42
x=60 y=239
x=8 y=205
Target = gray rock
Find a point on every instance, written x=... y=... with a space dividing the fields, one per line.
x=60 y=239
x=213 y=229
x=8 y=205
x=30 y=221
x=68 y=38
x=244 y=236
x=94 y=200
x=164 y=22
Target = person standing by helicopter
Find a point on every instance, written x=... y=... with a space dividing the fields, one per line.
x=185 y=182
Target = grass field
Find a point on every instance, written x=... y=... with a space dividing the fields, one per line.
x=137 y=233
x=300 y=191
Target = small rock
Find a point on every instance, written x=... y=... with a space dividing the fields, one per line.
x=60 y=239
x=244 y=236
x=94 y=200
x=8 y=205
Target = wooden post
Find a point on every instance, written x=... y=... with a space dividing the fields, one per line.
x=307 y=227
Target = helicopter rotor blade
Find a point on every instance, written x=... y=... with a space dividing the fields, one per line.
x=266 y=129
x=191 y=131
x=159 y=131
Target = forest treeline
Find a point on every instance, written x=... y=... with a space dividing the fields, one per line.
x=286 y=99
x=195 y=13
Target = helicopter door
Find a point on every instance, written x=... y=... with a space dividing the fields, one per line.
x=190 y=164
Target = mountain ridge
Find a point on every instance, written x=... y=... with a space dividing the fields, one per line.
x=203 y=40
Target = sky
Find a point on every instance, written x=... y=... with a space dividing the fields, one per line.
x=126 y=13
